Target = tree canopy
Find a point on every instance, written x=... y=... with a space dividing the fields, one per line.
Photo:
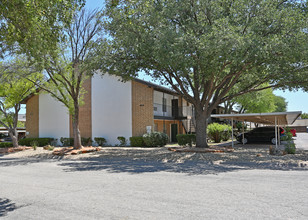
x=34 y=26
x=14 y=88
x=202 y=49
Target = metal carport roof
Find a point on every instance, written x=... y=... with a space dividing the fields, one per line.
x=283 y=118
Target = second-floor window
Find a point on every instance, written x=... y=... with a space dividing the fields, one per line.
x=164 y=104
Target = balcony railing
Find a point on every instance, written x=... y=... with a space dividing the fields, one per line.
x=176 y=112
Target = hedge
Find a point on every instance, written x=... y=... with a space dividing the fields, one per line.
x=136 y=141
x=6 y=144
x=100 y=141
x=186 y=139
x=40 y=141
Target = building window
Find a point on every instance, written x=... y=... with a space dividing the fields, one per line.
x=155 y=109
x=164 y=104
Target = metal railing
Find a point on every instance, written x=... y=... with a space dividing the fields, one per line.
x=173 y=111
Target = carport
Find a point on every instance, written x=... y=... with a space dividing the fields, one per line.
x=276 y=118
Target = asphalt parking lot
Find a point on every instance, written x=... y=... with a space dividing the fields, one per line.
x=155 y=184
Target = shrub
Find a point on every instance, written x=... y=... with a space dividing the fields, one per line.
x=155 y=139
x=49 y=147
x=186 y=139
x=123 y=141
x=86 y=141
x=34 y=144
x=100 y=141
x=67 y=141
x=39 y=141
x=226 y=134
x=239 y=126
x=287 y=136
x=136 y=142
x=6 y=144
x=290 y=148
x=215 y=131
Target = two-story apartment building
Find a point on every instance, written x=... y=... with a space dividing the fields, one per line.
x=112 y=108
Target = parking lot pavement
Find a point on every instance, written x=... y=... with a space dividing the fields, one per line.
x=145 y=189
x=301 y=141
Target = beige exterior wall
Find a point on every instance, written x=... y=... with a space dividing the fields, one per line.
x=159 y=124
x=142 y=108
x=85 y=113
x=32 y=116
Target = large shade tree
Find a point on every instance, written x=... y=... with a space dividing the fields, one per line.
x=202 y=49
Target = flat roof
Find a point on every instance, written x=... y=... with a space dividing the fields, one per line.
x=283 y=118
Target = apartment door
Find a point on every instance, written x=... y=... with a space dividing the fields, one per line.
x=174 y=132
x=175 y=107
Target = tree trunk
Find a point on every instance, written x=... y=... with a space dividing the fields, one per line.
x=201 y=125
x=76 y=131
x=13 y=135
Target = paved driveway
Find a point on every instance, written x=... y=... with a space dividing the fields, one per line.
x=137 y=186
x=301 y=141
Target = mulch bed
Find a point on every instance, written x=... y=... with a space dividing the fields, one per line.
x=71 y=151
x=13 y=149
x=211 y=149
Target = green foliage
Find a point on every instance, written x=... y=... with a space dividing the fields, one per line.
x=239 y=126
x=123 y=141
x=280 y=104
x=14 y=88
x=136 y=141
x=287 y=136
x=204 y=49
x=290 y=148
x=6 y=144
x=34 y=144
x=226 y=134
x=35 y=141
x=36 y=26
x=186 y=139
x=67 y=141
x=304 y=116
x=155 y=139
x=257 y=102
x=100 y=141
x=215 y=132
x=86 y=141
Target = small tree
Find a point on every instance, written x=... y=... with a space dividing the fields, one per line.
x=68 y=69
x=14 y=88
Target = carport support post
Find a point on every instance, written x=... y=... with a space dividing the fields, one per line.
x=232 y=132
x=243 y=132
x=276 y=131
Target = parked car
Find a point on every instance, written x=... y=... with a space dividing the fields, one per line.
x=261 y=134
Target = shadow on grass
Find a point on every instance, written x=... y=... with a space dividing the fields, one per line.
x=6 y=206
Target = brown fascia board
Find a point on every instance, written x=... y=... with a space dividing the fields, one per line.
x=156 y=87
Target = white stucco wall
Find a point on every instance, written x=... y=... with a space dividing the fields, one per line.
x=53 y=118
x=111 y=108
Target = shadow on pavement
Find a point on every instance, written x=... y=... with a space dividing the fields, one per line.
x=137 y=160
x=6 y=206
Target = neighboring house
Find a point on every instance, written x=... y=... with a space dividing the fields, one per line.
x=112 y=108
